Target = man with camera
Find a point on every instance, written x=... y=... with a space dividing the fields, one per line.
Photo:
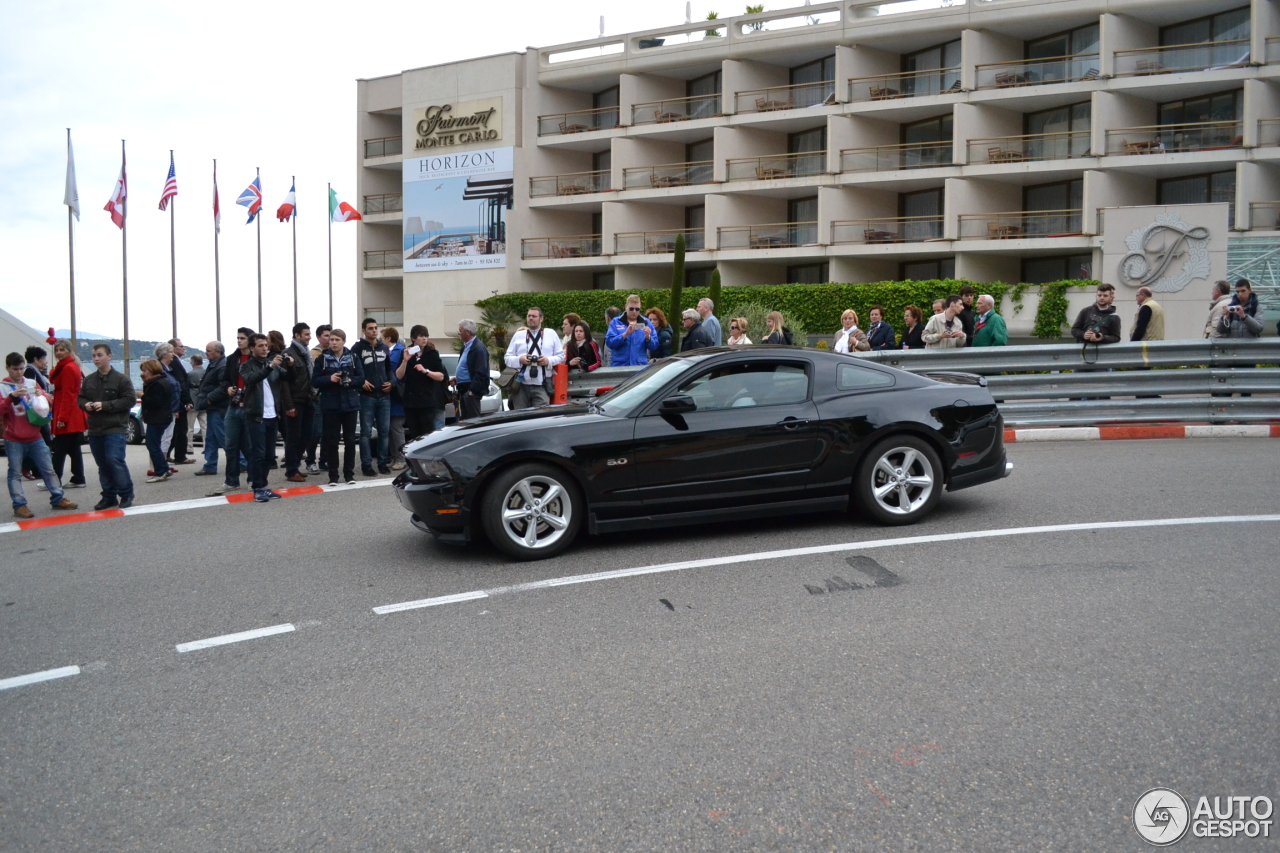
x=336 y=376
x=631 y=337
x=534 y=352
x=1243 y=316
x=236 y=440
x=256 y=401
x=1098 y=323
x=946 y=330
x=375 y=398
x=299 y=396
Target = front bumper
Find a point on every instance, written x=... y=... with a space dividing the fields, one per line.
x=435 y=507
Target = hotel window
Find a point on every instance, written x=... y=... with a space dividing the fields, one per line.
x=1071 y=124
x=1059 y=205
x=1071 y=43
x=602 y=161
x=812 y=144
x=932 y=59
x=607 y=101
x=1224 y=26
x=700 y=277
x=930 y=130
x=802 y=215
x=602 y=281
x=815 y=81
x=1201 y=189
x=1223 y=106
x=695 y=219
x=940 y=268
x=597 y=224
x=707 y=91
x=808 y=274
x=1064 y=268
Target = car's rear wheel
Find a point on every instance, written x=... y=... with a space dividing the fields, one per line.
x=133 y=432
x=531 y=511
x=900 y=480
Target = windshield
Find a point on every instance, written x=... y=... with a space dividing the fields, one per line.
x=640 y=387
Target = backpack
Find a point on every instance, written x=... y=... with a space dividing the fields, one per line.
x=787 y=337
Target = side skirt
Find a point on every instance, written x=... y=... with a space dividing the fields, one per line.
x=839 y=503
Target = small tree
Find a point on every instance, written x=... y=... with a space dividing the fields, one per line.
x=677 y=291
x=712 y=34
x=713 y=292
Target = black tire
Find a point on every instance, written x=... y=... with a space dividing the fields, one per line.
x=504 y=495
x=133 y=432
x=893 y=493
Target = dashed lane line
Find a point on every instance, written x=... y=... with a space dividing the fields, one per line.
x=815 y=549
x=225 y=639
x=37 y=677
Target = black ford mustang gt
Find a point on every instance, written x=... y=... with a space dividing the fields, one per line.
x=713 y=434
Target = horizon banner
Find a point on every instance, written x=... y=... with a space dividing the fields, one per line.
x=455 y=210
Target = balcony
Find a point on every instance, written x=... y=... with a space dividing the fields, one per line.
x=384 y=259
x=909 y=84
x=582 y=246
x=575 y=183
x=900 y=229
x=1169 y=138
x=1030 y=148
x=1038 y=72
x=1273 y=50
x=668 y=175
x=385 y=203
x=780 y=235
x=1264 y=216
x=675 y=109
x=383 y=147
x=659 y=242
x=1268 y=132
x=891 y=158
x=578 y=121
x=1207 y=56
x=777 y=167
x=1020 y=224
x=778 y=98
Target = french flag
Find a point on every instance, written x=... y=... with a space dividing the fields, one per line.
x=289 y=208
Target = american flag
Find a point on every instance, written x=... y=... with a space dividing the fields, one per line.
x=170 y=186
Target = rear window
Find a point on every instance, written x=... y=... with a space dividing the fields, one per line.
x=853 y=377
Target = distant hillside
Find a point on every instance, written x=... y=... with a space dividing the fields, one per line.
x=82 y=335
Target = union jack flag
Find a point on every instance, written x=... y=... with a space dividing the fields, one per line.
x=170 y=186
x=252 y=199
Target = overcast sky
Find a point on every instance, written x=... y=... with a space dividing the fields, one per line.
x=262 y=84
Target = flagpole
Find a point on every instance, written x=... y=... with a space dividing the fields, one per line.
x=294 y=220
x=173 y=263
x=258 y=172
x=124 y=257
x=217 y=277
x=71 y=257
x=329 y=202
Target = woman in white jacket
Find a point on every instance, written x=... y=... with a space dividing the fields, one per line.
x=850 y=338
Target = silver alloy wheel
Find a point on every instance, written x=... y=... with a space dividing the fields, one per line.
x=902 y=480
x=536 y=512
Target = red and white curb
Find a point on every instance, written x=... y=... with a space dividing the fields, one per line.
x=174 y=506
x=1118 y=433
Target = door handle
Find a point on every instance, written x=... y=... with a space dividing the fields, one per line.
x=792 y=423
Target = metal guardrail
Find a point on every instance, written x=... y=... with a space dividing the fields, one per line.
x=1067 y=385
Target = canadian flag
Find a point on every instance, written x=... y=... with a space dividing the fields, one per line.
x=116 y=205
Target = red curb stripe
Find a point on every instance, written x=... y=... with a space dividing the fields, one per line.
x=1010 y=435
x=300 y=490
x=1275 y=430
x=55 y=520
x=1130 y=432
x=239 y=499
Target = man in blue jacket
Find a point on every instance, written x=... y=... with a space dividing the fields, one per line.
x=631 y=337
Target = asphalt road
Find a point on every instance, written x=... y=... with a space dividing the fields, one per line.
x=993 y=693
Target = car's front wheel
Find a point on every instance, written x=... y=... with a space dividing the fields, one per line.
x=133 y=432
x=531 y=511
x=900 y=480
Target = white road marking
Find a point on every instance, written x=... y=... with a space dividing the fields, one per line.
x=171 y=506
x=1229 y=431
x=1058 y=434
x=816 y=549
x=9 y=527
x=37 y=677
x=233 y=638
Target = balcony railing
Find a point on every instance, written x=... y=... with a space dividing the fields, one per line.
x=384 y=259
x=894 y=229
x=1264 y=216
x=786 y=97
x=582 y=246
x=779 y=235
x=777 y=167
x=909 y=84
x=1268 y=132
x=1038 y=72
x=1019 y=224
x=385 y=203
x=1035 y=146
x=890 y=158
x=1273 y=49
x=575 y=183
x=384 y=147
x=676 y=109
x=659 y=242
x=578 y=121
x=1214 y=56
x=668 y=175
x=1166 y=138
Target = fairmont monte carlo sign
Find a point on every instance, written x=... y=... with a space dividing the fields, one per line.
x=445 y=125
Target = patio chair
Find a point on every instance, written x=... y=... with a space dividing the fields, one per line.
x=880 y=93
x=1091 y=74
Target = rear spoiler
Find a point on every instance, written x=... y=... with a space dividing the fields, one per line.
x=955 y=377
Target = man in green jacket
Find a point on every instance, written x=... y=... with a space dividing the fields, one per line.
x=989 y=327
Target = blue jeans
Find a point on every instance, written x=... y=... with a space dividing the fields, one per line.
x=154 y=436
x=243 y=440
x=113 y=471
x=375 y=411
x=214 y=439
x=259 y=462
x=37 y=453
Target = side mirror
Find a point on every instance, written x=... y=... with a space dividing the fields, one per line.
x=680 y=404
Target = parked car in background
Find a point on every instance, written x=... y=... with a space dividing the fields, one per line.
x=490 y=403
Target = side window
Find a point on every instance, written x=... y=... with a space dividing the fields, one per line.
x=737 y=386
x=852 y=377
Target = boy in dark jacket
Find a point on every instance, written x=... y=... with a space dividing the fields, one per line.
x=337 y=376
x=1098 y=323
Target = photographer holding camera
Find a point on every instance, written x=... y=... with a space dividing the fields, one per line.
x=946 y=330
x=1098 y=323
x=336 y=376
x=1243 y=316
x=534 y=352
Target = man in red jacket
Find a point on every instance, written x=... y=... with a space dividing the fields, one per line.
x=69 y=422
x=22 y=438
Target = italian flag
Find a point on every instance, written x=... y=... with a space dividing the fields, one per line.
x=339 y=210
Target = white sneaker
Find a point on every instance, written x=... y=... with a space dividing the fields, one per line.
x=222 y=489
x=160 y=479
x=397 y=466
x=42 y=487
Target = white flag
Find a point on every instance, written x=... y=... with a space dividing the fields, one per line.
x=71 y=197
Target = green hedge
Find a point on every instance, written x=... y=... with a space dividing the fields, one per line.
x=818 y=306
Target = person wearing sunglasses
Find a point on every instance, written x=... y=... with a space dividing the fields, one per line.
x=631 y=336
x=738 y=332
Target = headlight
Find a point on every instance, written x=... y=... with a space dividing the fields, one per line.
x=431 y=469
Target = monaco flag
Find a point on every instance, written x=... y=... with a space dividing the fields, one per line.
x=289 y=208
x=339 y=210
x=116 y=205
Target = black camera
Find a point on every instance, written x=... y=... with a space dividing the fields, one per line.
x=237 y=399
x=533 y=372
x=346 y=379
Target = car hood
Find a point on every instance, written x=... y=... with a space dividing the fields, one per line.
x=457 y=436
